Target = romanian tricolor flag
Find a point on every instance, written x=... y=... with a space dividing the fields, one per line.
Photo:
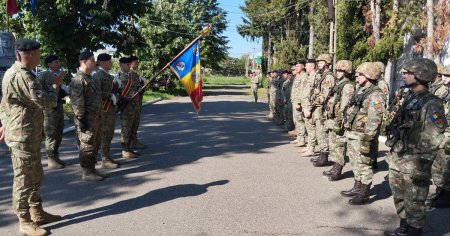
x=187 y=67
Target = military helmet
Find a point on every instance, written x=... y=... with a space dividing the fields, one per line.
x=380 y=65
x=370 y=70
x=344 y=65
x=440 y=67
x=446 y=71
x=423 y=69
x=324 y=57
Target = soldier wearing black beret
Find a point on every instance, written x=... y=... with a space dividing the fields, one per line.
x=135 y=143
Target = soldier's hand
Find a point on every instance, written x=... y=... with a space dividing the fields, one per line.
x=364 y=147
x=2 y=133
x=307 y=114
x=113 y=99
x=57 y=80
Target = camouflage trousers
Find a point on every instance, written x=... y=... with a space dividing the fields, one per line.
x=311 y=130
x=109 y=124
x=322 y=136
x=361 y=164
x=374 y=147
x=90 y=141
x=138 y=119
x=53 y=129
x=288 y=113
x=299 y=123
x=409 y=197
x=279 y=111
x=255 y=91
x=129 y=119
x=440 y=170
x=338 y=147
x=272 y=103
x=28 y=176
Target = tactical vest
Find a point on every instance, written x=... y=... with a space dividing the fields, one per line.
x=357 y=101
x=337 y=93
x=433 y=89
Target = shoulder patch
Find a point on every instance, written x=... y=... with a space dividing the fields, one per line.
x=438 y=119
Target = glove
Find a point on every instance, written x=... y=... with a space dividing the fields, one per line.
x=421 y=174
x=118 y=81
x=113 y=99
x=83 y=124
x=364 y=147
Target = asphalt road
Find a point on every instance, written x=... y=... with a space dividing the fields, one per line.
x=229 y=172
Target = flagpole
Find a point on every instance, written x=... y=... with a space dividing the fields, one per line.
x=204 y=32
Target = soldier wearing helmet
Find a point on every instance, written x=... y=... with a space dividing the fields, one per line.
x=336 y=101
x=437 y=87
x=440 y=170
x=299 y=89
x=382 y=84
x=418 y=131
x=324 y=83
x=362 y=128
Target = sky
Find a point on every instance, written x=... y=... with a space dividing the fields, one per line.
x=238 y=45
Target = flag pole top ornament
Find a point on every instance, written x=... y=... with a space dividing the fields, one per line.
x=206 y=30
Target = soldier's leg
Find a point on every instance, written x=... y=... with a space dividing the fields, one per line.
x=312 y=140
x=289 y=117
x=108 y=121
x=352 y=150
x=337 y=152
x=51 y=138
x=363 y=173
x=88 y=152
x=322 y=136
x=415 y=208
x=397 y=184
x=300 y=127
x=59 y=133
x=441 y=177
x=374 y=152
x=126 y=121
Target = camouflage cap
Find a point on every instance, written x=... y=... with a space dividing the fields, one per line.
x=324 y=57
x=380 y=65
x=369 y=70
x=423 y=69
x=446 y=71
x=344 y=65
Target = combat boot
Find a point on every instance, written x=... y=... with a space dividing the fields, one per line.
x=412 y=231
x=29 y=228
x=90 y=175
x=362 y=197
x=402 y=230
x=442 y=200
x=353 y=191
x=323 y=160
x=337 y=173
x=309 y=151
x=41 y=217
x=328 y=172
x=301 y=143
x=292 y=133
x=127 y=153
x=59 y=160
x=108 y=164
x=316 y=159
x=53 y=164
x=294 y=141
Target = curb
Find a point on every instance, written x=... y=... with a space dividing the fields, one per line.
x=72 y=128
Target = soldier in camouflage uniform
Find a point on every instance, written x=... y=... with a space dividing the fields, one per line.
x=287 y=88
x=362 y=123
x=109 y=90
x=22 y=103
x=271 y=89
x=54 y=118
x=307 y=107
x=438 y=88
x=254 y=83
x=441 y=166
x=322 y=88
x=86 y=100
x=416 y=133
x=128 y=117
x=335 y=104
x=135 y=143
x=279 y=104
x=296 y=99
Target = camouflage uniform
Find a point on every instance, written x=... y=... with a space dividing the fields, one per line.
x=419 y=126
x=254 y=83
x=296 y=99
x=24 y=98
x=287 y=88
x=363 y=122
x=308 y=86
x=271 y=94
x=53 y=119
x=107 y=87
x=439 y=89
x=341 y=95
x=134 y=139
x=279 y=104
x=129 y=117
x=86 y=103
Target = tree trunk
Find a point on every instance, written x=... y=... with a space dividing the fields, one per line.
x=269 y=50
x=311 y=41
x=430 y=30
x=395 y=5
x=376 y=22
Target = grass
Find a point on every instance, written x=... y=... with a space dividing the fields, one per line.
x=217 y=80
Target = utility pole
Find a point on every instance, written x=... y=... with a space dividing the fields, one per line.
x=332 y=17
x=247 y=61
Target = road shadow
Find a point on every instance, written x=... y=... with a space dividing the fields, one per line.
x=149 y=199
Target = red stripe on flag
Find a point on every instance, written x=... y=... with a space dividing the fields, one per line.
x=197 y=97
x=11 y=7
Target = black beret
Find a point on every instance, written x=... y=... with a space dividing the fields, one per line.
x=50 y=59
x=301 y=61
x=125 y=60
x=285 y=72
x=85 y=55
x=103 y=57
x=134 y=58
x=27 y=45
x=280 y=71
x=311 y=60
